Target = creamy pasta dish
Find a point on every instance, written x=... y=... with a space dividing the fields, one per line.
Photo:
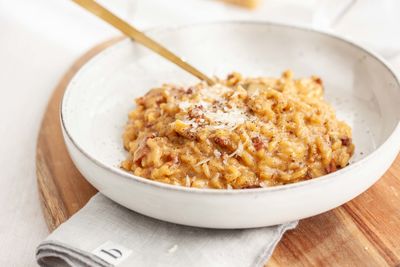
x=240 y=133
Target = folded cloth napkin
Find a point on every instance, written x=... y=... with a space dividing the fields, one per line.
x=104 y=233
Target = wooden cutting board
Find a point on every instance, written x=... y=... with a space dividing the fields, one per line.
x=363 y=232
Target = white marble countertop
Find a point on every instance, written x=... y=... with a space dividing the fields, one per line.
x=40 y=39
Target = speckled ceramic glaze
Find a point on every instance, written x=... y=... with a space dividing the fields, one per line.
x=359 y=84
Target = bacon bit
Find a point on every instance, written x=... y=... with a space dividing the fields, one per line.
x=331 y=167
x=223 y=142
x=140 y=153
x=257 y=143
x=142 y=148
x=189 y=90
x=172 y=158
x=251 y=186
x=308 y=174
x=346 y=141
x=318 y=80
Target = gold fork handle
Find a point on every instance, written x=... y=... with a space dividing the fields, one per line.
x=140 y=37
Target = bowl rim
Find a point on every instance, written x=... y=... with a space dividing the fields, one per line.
x=300 y=184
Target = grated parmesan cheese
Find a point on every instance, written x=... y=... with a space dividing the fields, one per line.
x=214 y=92
x=255 y=93
x=203 y=161
x=187 y=181
x=184 y=105
x=216 y=115
x=238 y=151
x=230 y=118
x=217 y=153
x=225 y=160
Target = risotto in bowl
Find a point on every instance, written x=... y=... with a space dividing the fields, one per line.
x=258 y=148
x=240 y=133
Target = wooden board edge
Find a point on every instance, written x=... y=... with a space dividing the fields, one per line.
x=48 y=192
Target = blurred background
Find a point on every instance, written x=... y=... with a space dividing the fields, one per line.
x=40 y=39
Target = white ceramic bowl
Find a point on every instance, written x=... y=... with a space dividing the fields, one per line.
x=360 y=85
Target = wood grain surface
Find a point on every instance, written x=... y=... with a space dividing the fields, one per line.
x=363 y=232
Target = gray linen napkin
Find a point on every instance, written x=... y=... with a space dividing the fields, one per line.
x=104 y=233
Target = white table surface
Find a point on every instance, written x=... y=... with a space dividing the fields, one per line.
x=40 y=39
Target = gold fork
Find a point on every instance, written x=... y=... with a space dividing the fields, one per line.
x=140 y=37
